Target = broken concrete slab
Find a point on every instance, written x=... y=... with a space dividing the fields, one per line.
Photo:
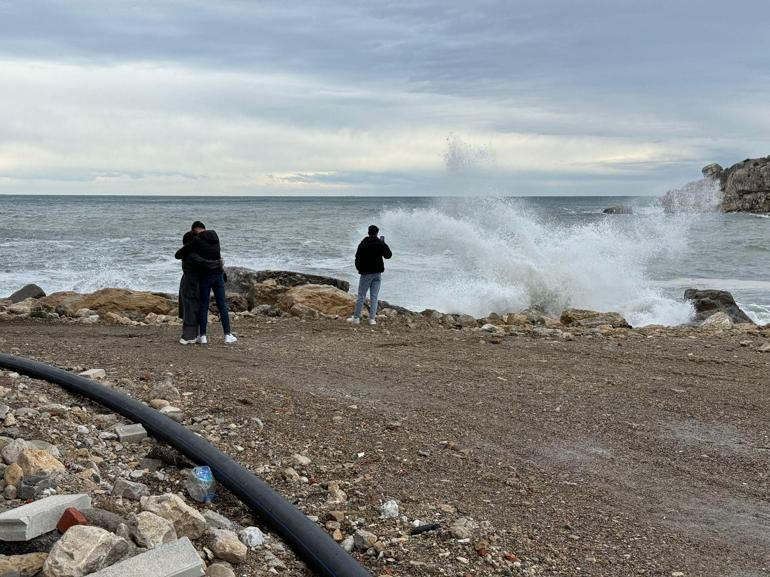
x=32 y=520
x=177 y=559
x=131 y=433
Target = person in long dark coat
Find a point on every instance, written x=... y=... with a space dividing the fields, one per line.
x=193 y=267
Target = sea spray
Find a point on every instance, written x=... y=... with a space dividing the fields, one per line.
x=489 y=255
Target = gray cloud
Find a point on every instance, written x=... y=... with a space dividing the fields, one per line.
x=363 y=94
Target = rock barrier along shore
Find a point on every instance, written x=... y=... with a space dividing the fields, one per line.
x=310 y=297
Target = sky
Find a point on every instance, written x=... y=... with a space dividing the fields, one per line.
x=415 y=97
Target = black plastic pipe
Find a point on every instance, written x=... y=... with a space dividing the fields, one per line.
x=308 y=540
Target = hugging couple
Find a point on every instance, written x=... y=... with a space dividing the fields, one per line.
x=203 y=271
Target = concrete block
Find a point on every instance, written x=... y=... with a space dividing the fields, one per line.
x=177 y=559
x=131 y=433
x=32 y=520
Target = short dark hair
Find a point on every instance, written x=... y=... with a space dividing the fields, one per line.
x=197 y=224
x=188 y=237
x=373 y=230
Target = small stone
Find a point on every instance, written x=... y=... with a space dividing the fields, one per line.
x=188 y=522
x=129 y=489
x=173 y=413
x=219 y=570
x=389 y=510
x=159 y=403
x=22 y=565
x=226 y=545
x=13 y=449
x=13 y=474
x=364 y=539
x=95 y=374
x=764 y=348
x=10 y=492
x=149 y=530
x=35 y=486
x=217 y=521
x=38 y=462
x=165 y=390
x=301 y=460
x=462 y=528
x=252 y=537
x=348 y=543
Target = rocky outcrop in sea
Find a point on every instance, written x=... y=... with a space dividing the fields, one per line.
x=743 y=187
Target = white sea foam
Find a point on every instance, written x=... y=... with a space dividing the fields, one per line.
x=493 y=255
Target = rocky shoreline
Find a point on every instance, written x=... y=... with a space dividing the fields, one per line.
x=54 y=444
x=309 y=297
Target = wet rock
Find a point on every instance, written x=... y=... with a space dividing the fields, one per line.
x=84 y=550
x=30 y=291
x=618 y=210
x=188 y=522
x=746 y=186
x=227 y=546
x=709 y=302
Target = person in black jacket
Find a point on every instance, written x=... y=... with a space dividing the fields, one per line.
x=193 y=267
x=205 y=244
x=370 y=266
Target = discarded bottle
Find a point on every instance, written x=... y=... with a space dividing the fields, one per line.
x=200 y=483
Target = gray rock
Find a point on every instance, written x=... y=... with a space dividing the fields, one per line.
x=709 y=302
x=219 y=570
x=84 y=550
x=34 y=486
x=463 y=528
x=102 y=518
x=252 y=537
x=217 y=521
x=746 y=186
x=131 y=433
x=363 y=539
x=129 y=489
x=149 y=530
x=226 y=545
x=12 y=450
x=188 y=522
x=166 y=391
x=30 y=291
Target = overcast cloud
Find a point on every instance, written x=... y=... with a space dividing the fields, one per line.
x=358 y=97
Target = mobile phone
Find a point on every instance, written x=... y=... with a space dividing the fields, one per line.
x=382 y=238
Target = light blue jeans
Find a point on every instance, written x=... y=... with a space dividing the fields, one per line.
x=368 y=283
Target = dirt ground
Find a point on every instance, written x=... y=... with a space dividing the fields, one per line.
x=598 y=457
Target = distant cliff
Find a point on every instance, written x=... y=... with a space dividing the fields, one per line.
x=745 y=186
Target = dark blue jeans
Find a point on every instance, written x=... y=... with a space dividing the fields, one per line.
x=215 y=282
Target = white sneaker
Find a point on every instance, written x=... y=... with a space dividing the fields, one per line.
x=230 y=339
x=202 y=340
x=190 y=342
x=372 y=322
x=354 y=321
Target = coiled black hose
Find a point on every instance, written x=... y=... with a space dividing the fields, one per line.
x=308 y=540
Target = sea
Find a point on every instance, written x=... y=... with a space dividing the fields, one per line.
x=458 y=255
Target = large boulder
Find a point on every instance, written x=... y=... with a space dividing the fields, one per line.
x=709 y=302
x=325 y=299
x=30 y=291
x=591 y=319
x=240 y=279
x=133 y=304
x=746 y=186
x=620 y=209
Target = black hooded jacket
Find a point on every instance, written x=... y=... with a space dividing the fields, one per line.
x=369 y=255
x=205 y=245
x=196 y=264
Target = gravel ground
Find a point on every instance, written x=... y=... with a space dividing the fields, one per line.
x=601 y=456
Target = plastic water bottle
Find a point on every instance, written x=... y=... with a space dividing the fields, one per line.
x=200 y=483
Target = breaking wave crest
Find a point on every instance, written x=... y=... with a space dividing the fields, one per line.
x=484 y=255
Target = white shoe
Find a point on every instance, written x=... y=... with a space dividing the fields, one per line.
x=190 y=342
x=202 y=340
x=372 y=322
x=354 y=321
x=230 y=339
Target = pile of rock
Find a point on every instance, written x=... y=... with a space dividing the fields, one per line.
x=141 y=526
